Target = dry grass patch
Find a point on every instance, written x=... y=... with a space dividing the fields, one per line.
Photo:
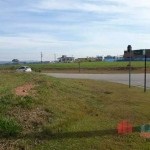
x=31 y=120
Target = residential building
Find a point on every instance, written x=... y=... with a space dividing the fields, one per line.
x=66 y=59
x=99 y=58
x=110 y=57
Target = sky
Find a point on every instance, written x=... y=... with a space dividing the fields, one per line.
x=78 y=28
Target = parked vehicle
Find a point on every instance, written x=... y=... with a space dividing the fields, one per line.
x=24 y=69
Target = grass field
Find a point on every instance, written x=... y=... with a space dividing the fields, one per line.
x=85 y=67
x=38 y=112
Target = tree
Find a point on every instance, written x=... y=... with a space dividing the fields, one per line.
x=15 y=60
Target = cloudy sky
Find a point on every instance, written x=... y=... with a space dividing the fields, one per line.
x=78 y=28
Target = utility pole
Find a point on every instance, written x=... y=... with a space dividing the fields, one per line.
x=41 y=57
x=129 y=49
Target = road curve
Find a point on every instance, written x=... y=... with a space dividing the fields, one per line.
x=136 y=79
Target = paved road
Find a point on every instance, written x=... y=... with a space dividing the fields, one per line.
x=136 y=79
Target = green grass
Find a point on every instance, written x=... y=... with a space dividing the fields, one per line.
x=26 y=102
x=9 y=127
x=64 y=114
x=84 y=65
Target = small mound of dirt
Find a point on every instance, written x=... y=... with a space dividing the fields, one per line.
x=24 y=90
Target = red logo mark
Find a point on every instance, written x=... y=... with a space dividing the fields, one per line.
x=124 y=127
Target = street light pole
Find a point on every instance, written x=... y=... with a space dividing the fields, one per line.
x=130 y=71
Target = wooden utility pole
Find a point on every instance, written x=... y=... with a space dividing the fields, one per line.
x=55 y=57
x=41 y=57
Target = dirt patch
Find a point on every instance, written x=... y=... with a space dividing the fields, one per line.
x=24 y=90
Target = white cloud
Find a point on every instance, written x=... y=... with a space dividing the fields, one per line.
x=30 y=41
x=133 y=3
x=76 y=5
x=74 y=27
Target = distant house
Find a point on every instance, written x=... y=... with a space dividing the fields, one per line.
x=66 y=59
x=99 y=58
x=110 y=57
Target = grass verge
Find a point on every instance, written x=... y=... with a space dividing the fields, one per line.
x=69 y=114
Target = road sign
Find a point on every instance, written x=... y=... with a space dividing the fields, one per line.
x=139 y=52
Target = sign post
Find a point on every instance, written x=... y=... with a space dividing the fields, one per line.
x=79 y=66
x=142 y=52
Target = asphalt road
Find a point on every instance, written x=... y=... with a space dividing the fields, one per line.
x=136 y=79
